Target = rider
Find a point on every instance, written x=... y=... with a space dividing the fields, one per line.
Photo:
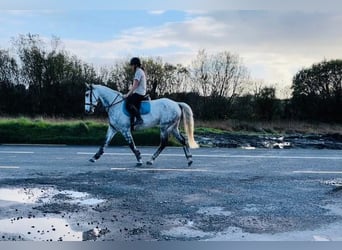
x=137 y=92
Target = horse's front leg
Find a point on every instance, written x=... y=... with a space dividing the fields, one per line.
x=110 y=134
x=129 y=138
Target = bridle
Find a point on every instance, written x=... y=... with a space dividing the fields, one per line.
x=91 y=98
x=92 y=95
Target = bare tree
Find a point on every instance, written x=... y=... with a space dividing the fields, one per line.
x=221 y=74
x=200 y=73
x=163 y=78
x=8 y=68
x=181 y=78
x=120 y=76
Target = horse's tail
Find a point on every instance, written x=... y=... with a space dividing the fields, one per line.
x=188 y=119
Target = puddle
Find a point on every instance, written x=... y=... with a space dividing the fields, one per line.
x=248 y=147
x=23 y=195
x=45 y=195
x=40 y=229
x=251 y=208
x=337 y=182
x=81 y=198
x=185 y=232
x=188 y=230
x=214 y=211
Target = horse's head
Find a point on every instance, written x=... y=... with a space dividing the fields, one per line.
x=90 y=99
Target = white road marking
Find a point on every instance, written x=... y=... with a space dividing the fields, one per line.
x=230 y=156
x=16 y=152
x=161 y=169
x=316 y=172
x=35 y=145
x=88 y=153
x=9 y=167
x=273 y=157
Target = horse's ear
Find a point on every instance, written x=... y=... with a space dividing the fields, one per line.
x=89 y=86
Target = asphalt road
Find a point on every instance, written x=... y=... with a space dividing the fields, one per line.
x=54 y=193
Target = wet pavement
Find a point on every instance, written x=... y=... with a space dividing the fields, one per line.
x=52 y=193
x=288 y=141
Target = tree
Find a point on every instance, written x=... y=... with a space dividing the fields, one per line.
x=159 y=76
x=266 y=104
x=200 y=73
x=244 y=108
x=10 y=90
x=221 y=77
x=163 y=78
x=8 y=68
x=221 y=74
x=317 y=91
x=54 y=80
x=181 y=78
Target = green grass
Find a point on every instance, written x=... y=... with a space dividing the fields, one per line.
x=40 y=131
x=205 y=130
x=93 y=132
x=274 y=127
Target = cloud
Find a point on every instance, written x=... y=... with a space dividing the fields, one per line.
x=156 y=12
x=310 y=5
x=273 y=44
x=282 y=42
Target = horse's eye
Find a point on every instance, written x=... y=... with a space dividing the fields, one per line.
x=87 y=95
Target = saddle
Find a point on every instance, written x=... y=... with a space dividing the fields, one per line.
x=145 y=106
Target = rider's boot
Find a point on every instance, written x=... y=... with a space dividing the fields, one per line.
x=139 y=120
x=132 y=122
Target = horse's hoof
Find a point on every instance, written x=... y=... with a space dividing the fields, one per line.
x=149 y=163
x=92 y=160
x=189 y=163
x=139 y=164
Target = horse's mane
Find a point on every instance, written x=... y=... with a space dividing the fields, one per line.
x=107 y=95
x=107 y=88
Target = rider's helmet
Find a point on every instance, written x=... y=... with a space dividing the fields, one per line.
x=135 y=61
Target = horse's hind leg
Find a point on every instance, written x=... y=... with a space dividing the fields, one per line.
x=164 y=137
x=182 y=140
x=110 y=134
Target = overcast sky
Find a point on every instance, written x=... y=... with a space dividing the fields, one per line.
x=275 y=39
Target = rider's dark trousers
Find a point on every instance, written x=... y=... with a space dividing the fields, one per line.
x=133 y=103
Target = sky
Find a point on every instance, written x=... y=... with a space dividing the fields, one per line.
x=275 y=39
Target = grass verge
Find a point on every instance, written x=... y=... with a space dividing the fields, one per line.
x=274 y=127
x=93 y=132
x=40 y=131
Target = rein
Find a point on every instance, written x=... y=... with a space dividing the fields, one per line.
x=114 y=103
